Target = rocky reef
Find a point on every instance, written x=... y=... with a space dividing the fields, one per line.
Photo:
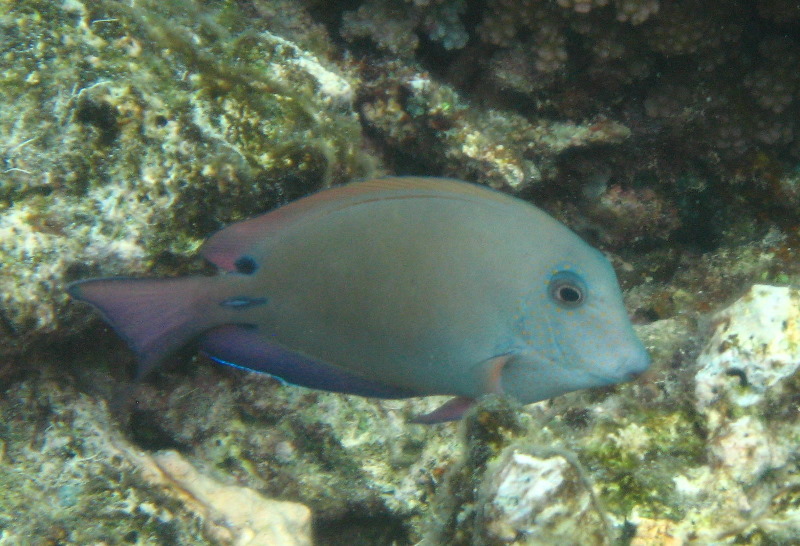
x=663 y=132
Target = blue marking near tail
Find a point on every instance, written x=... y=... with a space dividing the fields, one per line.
x=243 y=302
x=245 y=368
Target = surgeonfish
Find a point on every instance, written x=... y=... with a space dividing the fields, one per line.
x=393 y=288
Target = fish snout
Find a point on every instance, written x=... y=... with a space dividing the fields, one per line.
x=625 y=365
x=635 y=363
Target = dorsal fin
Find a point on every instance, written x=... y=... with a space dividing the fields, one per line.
x=226 y=246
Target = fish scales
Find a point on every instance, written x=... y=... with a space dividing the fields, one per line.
x=394 y=287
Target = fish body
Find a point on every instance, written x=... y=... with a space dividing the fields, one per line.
x=394 y=287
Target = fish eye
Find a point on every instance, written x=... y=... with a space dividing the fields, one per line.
x=567 y=289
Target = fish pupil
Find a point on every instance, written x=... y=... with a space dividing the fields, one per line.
x=569 y=294
x=245 y=265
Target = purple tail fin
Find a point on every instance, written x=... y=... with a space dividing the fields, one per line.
x=154 y=316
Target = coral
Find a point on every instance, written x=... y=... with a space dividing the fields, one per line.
x=776 y=82
x=412 y=110
x=780 y=11
x=383 y=23
x=581 y=6
x=443 y=25
x=392 y=24
x=688 y=28
x=788 y=186
x=630 y=215
x=584 y=59
x=636 y=11
x=546 y=49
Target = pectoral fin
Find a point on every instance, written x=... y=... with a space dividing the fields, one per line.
x=487 y=376
x=490 y=372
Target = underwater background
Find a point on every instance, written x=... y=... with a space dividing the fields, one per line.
x=665 y=133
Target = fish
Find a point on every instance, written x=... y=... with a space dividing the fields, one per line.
x=392 y=288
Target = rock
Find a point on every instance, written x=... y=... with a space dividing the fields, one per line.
x=541 y=498
x=132 y=130
x=692 y=453
x=745 y=390
x=88 y=484
x=234 y=514
x=754 y=350
x=504 y=150
x=748 y=365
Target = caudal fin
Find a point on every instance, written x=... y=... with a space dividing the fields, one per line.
x=154 y=316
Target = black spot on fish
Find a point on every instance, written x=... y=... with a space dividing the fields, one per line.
x=243 y=302
x=245 y=265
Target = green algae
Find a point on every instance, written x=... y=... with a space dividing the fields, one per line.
x=634 y=462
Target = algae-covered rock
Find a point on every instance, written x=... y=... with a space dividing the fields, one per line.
x=754 y=352
x=746 y=388
x=233 y=513
x=69 y=477
x=133 y=131
x=647 y=462
x=346 y=457
x=543 y=499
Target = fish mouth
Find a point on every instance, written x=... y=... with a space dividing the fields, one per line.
x=633 y=365
x=604 y=380
x=630 y=376
x=624 y=373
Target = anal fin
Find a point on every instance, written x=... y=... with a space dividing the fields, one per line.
x=246 y=347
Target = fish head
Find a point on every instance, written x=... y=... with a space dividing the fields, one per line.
x=573 y=332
